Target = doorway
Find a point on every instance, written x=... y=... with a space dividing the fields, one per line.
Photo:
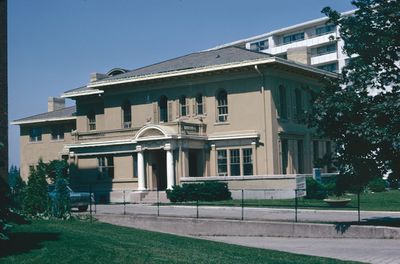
x=159 y=169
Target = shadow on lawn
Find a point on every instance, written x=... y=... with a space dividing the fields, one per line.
x=21 y=242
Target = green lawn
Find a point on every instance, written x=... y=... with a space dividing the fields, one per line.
x=84 y=242
x=383 y=201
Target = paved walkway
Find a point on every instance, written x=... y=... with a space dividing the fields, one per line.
x=249 y=213
x=380 y=251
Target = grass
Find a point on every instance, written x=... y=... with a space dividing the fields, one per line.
x=382 y=201
x=76 y=241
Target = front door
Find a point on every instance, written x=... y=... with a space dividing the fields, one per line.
x=159 y=169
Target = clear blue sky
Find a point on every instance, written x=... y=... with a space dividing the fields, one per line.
x=55 y=45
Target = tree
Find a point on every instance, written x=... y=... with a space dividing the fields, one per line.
x=36 y=198
x=61 y=201
x=359 y=111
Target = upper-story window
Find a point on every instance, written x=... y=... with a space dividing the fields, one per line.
x=332 y=67
x=299 y=104
x=222 y=106
x=126 y=115
x=91 y=117
x=325 y=29
x=325 y=49
x=259 y=45
x=35 y=134
x=293 y=37
x=57 y=132
x=282 y=108
x=163 y=108
x=183 y=106
x=199 y=104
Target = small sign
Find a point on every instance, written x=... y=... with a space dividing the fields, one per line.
x=316 y=174
x=301 y=186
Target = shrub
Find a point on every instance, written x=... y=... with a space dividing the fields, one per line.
x=315 y=190
x=206 y=191
x=377 y=185
x=60 y=206
x=36 y=198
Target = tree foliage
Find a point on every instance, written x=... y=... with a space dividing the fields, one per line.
x=36 y=198
x=360 y=110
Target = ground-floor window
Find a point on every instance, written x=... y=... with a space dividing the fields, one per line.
x=284 y=155
x=239 y=162
x=222 y=163
x=106 y=166
x=135 y=167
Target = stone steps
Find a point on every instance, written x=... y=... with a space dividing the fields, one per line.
x=149 y=197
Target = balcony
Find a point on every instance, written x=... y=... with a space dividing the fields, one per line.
x=181 y=129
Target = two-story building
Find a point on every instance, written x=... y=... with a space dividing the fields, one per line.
x=229 y=114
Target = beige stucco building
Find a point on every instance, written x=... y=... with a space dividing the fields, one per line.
x=229 y=114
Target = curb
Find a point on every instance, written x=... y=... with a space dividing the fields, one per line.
x=225 y=227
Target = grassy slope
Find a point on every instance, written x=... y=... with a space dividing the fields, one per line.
x=83 y=242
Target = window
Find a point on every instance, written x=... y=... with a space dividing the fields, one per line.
x=282 y=103
x=260 y=45
x=300 y=156
x=293 y=37
x=135 y=167
x=332 y=67
x=284 y=154
x=163 y=108
x=316 y=152
x=222 y=106
x=235 y=162
x=325 y=29
x=247 y=161
x=299 y=105
x=325 y=49
x=183 y=106
x=35 y=134
x=222 y=163
x=106 y=166
x=57 y=132
x=91 y=121
x=126 y=115
x=199 y=104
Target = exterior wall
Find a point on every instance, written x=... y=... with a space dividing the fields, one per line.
x=3 y=91
x=47 y=149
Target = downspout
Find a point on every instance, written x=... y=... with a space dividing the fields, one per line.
x=264 y=116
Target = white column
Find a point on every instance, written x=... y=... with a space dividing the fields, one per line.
x=140 y=166
x=170 y=167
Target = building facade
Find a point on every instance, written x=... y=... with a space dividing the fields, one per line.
x=228 y=114
x=314 y=42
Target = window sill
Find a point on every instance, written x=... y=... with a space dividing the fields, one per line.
x=57 y=140
x=35 y=142
x=221 y=123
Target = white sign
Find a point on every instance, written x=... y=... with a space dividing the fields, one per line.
x=301 y=186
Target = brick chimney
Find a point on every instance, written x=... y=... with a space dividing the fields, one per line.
x=55 y=103
x=97 y=76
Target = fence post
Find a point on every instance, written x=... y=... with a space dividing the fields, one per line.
x=158 y=203
x=242 y=204
x=90 y=202
x=358 y=206
x=295 y=205
x=197 y=208
x=124 y=204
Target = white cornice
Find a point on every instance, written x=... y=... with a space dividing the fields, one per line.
x=81 y=93
x=44 y=120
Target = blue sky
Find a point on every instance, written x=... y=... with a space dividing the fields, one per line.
x=55 y=45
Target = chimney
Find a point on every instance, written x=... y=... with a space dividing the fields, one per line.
x=299 y=54
x=55 y=103
x=97 y=76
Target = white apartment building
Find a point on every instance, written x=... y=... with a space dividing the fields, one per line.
x=315 y=42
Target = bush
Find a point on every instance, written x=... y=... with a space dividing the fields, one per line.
x=206 y=191
x=377 y=185
x=36 y=198
x=315 y=190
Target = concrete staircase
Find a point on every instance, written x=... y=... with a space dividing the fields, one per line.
x=149 y=197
